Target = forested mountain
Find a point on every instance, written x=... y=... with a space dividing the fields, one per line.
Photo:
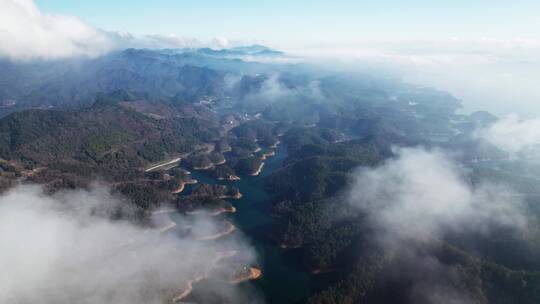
x=97 y=134
x=141 y=119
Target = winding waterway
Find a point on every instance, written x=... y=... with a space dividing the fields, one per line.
x=283 y=280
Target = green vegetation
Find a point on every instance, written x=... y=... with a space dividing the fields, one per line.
x=263 y=132
x=108 y=140
x=219 y=191
x=223 y=172
x=208 y=197
x=248 y=165
x=476 y=281
x=146 y=196
x=243 y=147
x=332 y=236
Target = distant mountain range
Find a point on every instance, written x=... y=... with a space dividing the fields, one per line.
x=181 y=74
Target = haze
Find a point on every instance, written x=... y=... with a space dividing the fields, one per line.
x=485 y=52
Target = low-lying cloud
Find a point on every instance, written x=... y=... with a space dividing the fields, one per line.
x=422 y=194
x=66 y=249
x=413 y=202
x=274 y=89
x=497 y=75
x=513 y=134
x=171 y=41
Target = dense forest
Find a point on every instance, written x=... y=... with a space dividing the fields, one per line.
x=334 y=237
x=138 y=120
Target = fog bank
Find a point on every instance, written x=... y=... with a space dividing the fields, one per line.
x=501 y=76
x=414 y=201
x=67 y=249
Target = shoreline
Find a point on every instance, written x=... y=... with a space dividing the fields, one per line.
x=258 y=170
x=266 y=155
x=223 y=210
x=254 y=274
x=231 y=178
x=182 y=185
x=230 y=229
x=188 y=290
x=189 y=285
x=233 y=197
x=224 y=161
x=275 y=145
x=170 y=225
x=180 y=188
x=213 y=213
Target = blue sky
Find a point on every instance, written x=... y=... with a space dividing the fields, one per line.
x=281 y=22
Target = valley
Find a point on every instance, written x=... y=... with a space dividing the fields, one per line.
x=302 y=184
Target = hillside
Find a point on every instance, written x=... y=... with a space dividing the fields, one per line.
x=150 y=123
x=107 y=137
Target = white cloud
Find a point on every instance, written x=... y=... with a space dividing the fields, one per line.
x=65 y=249
x=221 y=42
x=27 y=33
x=169 y=41
x=273 y=89
x=487 y=74
x=513 y=134
x=423 y=194
x=172 y=41
x=412 y=202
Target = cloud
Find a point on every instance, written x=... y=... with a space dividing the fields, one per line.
x=434 y=282
x=155 y=41
x=27 y=33
x=487 y=74
x=513 y=134
x=422 y=194
x=274 y=89
x=170 y=41
x=66 y=249
x=413 y=202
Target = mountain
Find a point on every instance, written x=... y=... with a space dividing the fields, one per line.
x=240 y=52
x=186 y=75
x=139 y=119
x=109 y=136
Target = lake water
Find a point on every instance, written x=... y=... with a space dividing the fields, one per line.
x=284 y=280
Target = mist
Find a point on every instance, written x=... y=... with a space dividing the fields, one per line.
x=422 y=194
x=500 y=76
x=273 y=89
x=413 y=201
x=513 y=134
x=67 y=248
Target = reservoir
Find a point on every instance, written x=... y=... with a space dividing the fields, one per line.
x=283 y=280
